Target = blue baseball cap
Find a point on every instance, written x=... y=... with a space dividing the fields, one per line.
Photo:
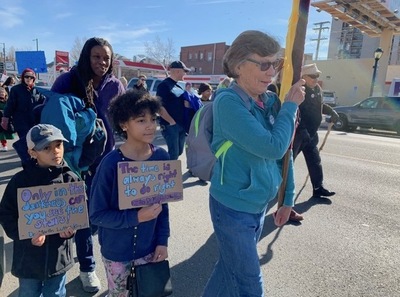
x=42 y=135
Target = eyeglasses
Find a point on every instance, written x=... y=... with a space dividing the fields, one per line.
x=264 y=66
x=313 y=76
x=28 y=76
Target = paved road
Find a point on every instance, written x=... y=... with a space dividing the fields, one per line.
x=347 y=246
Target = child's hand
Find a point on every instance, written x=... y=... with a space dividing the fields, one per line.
x=38 y=239
x=67 y=233
x=149 y=213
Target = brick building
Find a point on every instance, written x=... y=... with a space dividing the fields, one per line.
x=205 y=58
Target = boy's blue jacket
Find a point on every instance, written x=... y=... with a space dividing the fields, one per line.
x=250 y=175
x=55 y=256
x=117 y=227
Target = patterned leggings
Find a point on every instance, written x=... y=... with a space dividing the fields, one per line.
x=117 y=273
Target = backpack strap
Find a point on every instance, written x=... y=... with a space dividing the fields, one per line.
x=223 y=149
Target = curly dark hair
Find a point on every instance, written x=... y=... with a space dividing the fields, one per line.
x=129 y=105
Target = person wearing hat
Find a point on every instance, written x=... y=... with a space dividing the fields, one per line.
x=205 y=91
x=41 y=262
x=23 y=98
x=172 y=113
x=306 y=137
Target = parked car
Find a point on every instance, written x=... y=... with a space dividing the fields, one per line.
x=381 y=113
x=329 y=97
x=152 y=84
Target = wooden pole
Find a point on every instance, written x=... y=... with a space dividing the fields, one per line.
x=294 y=52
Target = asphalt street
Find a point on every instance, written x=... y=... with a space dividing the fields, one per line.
x=348 y=245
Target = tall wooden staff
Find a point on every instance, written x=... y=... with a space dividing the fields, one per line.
x=294 y=52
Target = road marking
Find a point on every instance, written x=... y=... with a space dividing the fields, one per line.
x=359 y=159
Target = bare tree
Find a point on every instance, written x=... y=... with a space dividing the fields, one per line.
x=162 y=53
x=76 y=49
x=10 y=56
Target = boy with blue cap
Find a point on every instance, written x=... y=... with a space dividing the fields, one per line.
x=41 y=262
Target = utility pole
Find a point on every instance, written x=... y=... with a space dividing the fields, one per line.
x=320 y=27
x=4 y=57
x=37 y=49
x=37 y=43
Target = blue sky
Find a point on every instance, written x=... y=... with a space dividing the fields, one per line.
x=127 y=24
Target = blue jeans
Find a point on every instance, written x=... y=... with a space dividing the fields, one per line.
x=84 y=238
x=84 y=250
x=52 y=287
x=237 y=271
x=174 y=136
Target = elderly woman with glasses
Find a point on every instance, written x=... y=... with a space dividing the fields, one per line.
x=248 y=176
x=23 y=98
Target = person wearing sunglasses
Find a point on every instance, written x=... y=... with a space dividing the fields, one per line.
x=23 y=98
x=141 y=83
x=306 y=138
x=247 y=177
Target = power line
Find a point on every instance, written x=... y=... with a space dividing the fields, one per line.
x=320 y=27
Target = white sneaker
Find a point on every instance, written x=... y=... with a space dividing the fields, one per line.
x=90 y=281
x=4 y=149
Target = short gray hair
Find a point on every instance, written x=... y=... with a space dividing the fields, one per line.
x=246 y=44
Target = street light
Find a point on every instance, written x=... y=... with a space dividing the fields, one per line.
x=377 y=55
x=37 y=43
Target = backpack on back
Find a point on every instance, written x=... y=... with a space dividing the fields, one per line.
x=199 y=155
x=85 y=133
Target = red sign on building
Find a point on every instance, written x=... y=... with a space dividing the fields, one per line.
x=62 y=60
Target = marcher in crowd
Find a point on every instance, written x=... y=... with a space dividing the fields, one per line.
x=123 y=81
x=205 y=91
x=4 y=135
x=39 y=263
x=172 y=113
x=248 y=178
x=23 y=98
x=192 y=104
x=134 y=117
x=306 y=138
x=8 y=84
x=92 y=79
x=141 y=83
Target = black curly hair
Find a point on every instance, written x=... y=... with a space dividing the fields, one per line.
x=129 y=105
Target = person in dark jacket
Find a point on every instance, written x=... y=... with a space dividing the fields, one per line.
x=40 y=263
x=93 y=81
x=141 y=84
x=23 y=98
x=172 y=114
x=306 y=137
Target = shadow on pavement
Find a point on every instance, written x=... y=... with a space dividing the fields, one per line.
x=200 y=265
x=74 y=289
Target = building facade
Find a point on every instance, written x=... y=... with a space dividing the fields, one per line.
x=205 y=58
